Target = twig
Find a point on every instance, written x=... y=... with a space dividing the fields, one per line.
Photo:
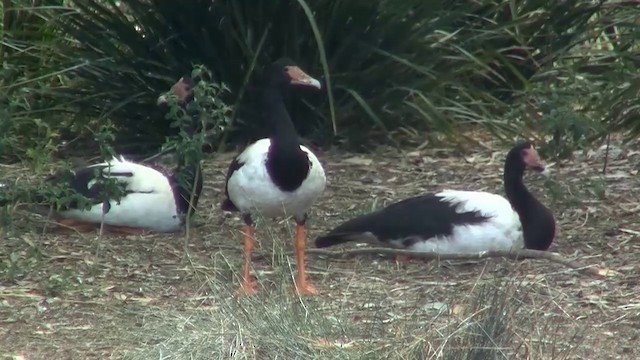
x=606 y=155
x=516 y=255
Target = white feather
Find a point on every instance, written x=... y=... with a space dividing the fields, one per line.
x=502 y=231
x=251 y=189
x=151 y=205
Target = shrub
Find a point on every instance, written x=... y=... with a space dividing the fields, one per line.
x=387 y=65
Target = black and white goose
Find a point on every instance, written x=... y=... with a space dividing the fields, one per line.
x=460 y=221
x=153 y=198
x=276 y=176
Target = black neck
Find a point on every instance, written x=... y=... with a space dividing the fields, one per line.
x=538 y=226
x=517 y=193
x=188 y=173
x=283 y=133
x=287 y=165
x=188 y=180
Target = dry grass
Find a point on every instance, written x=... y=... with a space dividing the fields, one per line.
x=73 y=296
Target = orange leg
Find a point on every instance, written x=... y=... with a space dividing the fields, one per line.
x=126 y=230
x=402 y=259
x=77 y=225
x=249 y=286
x=302 y=285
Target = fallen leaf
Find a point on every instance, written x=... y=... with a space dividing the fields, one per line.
x=628 y=231
x=608 y=272
x=357 y=160
x=457 y=309
x=324 y=343
x=435 y=306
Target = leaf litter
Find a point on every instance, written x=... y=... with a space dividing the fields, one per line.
x=67 y=295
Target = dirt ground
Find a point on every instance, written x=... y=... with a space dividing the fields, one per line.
x=74 y=296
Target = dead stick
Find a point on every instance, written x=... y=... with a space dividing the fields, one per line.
x=516 y=255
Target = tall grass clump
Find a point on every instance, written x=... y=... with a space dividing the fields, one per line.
x=398 y=70
x=496 y=320
x=621 y=45
x=388 y=67
x=27 y=42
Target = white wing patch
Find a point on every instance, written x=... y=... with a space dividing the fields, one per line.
x=502 y=230
x=150 y=205
x=256 y=151
x=485 y=203
x=144 y=179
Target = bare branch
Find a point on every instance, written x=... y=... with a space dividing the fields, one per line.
x=516 y=255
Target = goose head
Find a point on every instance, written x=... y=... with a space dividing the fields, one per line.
x=284 y=73
x=182 y=90
x=524 y=156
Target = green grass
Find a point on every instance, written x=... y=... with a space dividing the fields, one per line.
x=77 y=296
x=277 y=324
x=431 y=67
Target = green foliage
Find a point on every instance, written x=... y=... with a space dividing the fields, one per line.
x=614 y=59
x=562 y=112
x=422 y=65
x=23 y=132
x=203 y=120
x=27 y=130
x=210 y=113
x=53 y=191
x=390 y=68
x=624 y=110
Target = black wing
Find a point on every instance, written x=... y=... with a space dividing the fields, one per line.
x=89 y=182
x=423 y=217
x=227 y=204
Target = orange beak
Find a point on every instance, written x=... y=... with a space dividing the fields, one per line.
x=533 y=162
x=299 y=77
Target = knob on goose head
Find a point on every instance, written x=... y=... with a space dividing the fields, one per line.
x=182 y=89
x=284 y=73
x=525 y=156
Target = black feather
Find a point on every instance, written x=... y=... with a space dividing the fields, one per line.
x=427 y=216
x=80 y=182
x=182 y=183
x=227 y=204
x=423 y=217
x=287 y=169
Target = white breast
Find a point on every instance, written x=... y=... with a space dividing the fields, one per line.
x=502 y=231
x=251 y=189
x=151 y=205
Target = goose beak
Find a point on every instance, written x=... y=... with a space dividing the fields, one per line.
x=299 y=77
x=541 y=169
x=532 y=161
x=307 y=81
x=313 y=83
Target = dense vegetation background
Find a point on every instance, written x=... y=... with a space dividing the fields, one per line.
x=80 y=79
x=563 y=72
